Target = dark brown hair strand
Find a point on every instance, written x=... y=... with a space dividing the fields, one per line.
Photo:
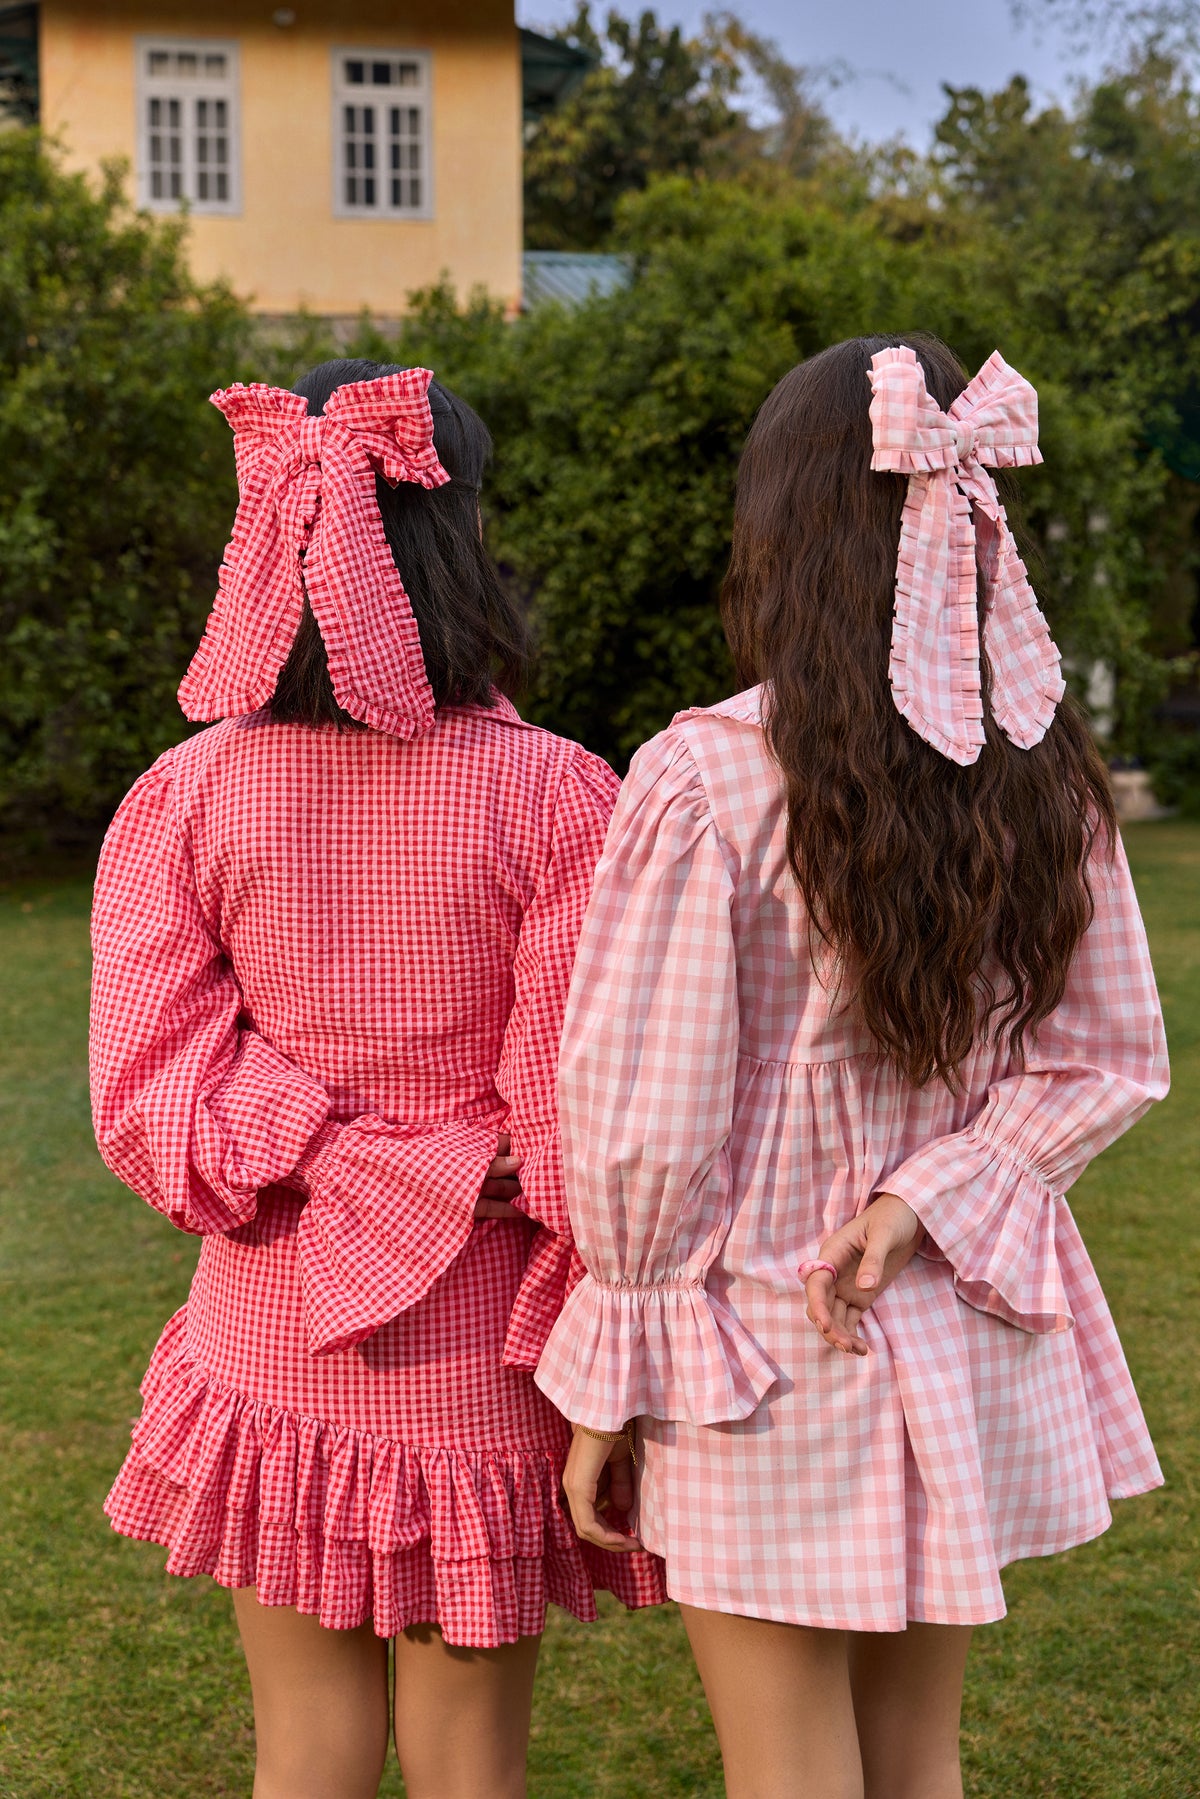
x=953 y=899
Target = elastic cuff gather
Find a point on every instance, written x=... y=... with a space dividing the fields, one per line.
x=316 y=1152
x=673 y=1352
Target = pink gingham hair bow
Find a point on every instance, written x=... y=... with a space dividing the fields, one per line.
x=952 y=523
x=308 y=521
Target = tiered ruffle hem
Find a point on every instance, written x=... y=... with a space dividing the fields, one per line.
x=353 y=1527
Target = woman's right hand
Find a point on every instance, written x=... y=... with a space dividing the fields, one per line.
x=868 y=1252
x=598 y=1478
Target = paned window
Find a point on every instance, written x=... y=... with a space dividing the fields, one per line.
x=381 y=134
x=187 y=96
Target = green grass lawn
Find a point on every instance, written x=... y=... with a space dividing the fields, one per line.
x=119 y=1683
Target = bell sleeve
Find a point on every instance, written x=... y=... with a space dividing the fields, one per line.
x=527 y=1077
x=391 y=1206
x=989 y=1195
x=192 y=1110
x=646 y=1091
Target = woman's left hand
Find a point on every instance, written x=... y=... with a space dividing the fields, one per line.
x=501 y=1185
x=868 y=1253
x=598 y=1477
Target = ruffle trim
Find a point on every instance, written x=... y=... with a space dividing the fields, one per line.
x=354 y=1528
x=923 y=651
x=1027 y=677
x=353 y=1281
x=390 y=1208
x=674 y=1353
x=996 y=1222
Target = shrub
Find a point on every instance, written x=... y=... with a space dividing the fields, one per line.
x=116 y=483
x=1175 y=773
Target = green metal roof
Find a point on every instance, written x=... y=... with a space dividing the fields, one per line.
x=550 y=73
x=19 y=63
x=571 y=277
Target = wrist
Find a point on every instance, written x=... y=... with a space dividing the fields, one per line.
x=315 y=1154
x=900 y=1209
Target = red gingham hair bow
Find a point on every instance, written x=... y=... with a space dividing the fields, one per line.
x=952 y=516
x=308 y=521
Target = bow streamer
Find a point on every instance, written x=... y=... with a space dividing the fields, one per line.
x=953 y=524
x=308 y=521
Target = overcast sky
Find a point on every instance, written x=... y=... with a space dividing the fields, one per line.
x=900 y=53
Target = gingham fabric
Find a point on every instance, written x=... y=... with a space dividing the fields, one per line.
x=308 y=521
x=723 y=1110
x=952 y=513
x=329 y=969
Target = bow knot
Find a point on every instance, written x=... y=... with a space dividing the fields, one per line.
x=308 y=524
x=310 y=437
x=964 y=440
x=953 y=530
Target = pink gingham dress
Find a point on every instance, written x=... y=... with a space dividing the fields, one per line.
x=329 y=969
x=722 y=1112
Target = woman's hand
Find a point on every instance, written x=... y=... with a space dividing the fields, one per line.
x=868 y=1253
x=500 y=1184
x=599 y=1478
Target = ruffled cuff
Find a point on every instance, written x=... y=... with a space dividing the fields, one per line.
x=539 y=1299
x=250 y=1132
x=671 y=1352
x=994 y=1219
x=390 y=1207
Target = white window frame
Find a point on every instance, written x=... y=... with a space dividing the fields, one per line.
x=188 y=89
x=352 y=94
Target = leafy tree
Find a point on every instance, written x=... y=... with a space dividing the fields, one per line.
x=649 y=107
x=115 y=482
x=1070 y=239
x=1167 y=25
x=658 y=103
x=1094 y=219
x=618 y=428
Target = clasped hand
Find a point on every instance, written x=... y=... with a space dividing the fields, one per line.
x=501 y=1184
x=868 y=1253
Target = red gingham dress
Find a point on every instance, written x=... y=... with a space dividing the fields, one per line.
x=329 y=969
x=723 y=1110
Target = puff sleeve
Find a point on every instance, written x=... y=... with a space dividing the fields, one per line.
x=191 y=1109
x=646 y=1092
x=989 y=1195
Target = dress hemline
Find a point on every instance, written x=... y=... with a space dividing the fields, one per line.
x=351 y=1527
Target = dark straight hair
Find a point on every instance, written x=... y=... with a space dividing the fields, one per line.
x=951 y=897
x=473 y=636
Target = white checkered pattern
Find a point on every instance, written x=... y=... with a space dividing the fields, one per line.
x=334 y=965
x=721 y=1115
x=951 y=511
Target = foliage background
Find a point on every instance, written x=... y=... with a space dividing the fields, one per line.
x=1070 y=238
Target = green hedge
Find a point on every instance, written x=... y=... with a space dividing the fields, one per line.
x=115 y=483
x=618 y=427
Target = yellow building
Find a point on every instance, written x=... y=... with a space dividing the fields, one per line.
x=333 y=155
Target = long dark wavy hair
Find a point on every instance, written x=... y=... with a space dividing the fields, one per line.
x=952 y=899
x=473 y=635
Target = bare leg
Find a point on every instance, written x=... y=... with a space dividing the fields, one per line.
x=780 y=1699
x=462 y=1716
x=907 y=1690
x=320 y=1703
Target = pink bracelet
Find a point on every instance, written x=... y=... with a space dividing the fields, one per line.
x=807 y=1268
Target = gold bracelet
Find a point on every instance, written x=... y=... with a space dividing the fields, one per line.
x=612 y=1436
